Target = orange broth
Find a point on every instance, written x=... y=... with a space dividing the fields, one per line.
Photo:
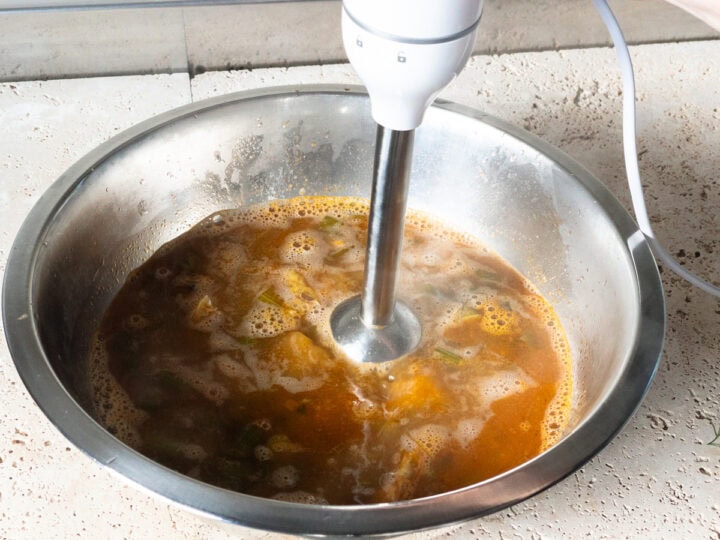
x=216 y=359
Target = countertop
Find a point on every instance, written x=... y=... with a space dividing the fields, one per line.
x=658 y=479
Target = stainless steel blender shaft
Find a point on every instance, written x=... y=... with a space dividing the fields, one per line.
x=374 y=327
x=391 y=178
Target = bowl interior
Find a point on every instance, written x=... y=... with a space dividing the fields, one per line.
x=530 y=204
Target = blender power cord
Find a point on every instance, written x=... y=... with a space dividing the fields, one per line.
x=630 y=151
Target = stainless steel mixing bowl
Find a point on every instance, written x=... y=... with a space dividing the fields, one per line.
x=538 y=209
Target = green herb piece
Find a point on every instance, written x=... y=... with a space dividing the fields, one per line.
x=488 y=275
x=432 y=290
x=388 y=429
x=450 y=356
x=246 y=340
x=467 y=311
x=269 y=296
x=327 y=222
x=336 y=255
x=282 y=444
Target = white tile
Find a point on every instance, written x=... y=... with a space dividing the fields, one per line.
x=48 y=125
x=61 y=44
x=269 y=34
x=537 y=25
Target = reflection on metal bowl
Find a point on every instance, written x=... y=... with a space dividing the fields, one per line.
x=535 y=207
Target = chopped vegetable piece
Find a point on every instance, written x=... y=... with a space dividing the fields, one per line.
x=269 y=296
x=298 y=286
x=416 y=392
x=281 y=444
x=302 y=357
x=328 y=221
x=445 y=354
x=204 y=309
x=439 y=293
x=335 y=256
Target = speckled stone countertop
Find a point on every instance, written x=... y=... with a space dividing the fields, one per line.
x=658 y=479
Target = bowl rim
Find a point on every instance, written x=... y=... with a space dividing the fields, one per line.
x=532 y=477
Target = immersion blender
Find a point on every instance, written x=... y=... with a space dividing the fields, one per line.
x=405 y=52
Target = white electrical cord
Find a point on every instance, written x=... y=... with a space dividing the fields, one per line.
x=630 y=150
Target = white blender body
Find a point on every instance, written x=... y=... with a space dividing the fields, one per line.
x=407 y=51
